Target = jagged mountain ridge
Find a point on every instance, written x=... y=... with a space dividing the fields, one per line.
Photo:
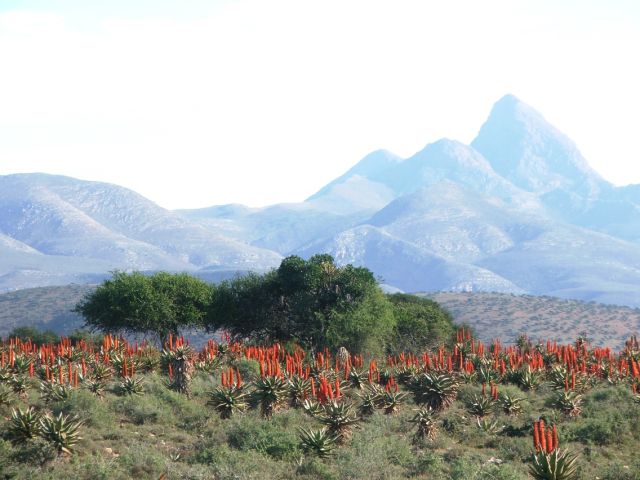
x=519 y=210
x=55 y=228
x=510 y=204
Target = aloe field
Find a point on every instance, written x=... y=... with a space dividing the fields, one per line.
x=108 y=408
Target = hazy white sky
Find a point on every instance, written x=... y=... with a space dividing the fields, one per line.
x=195 y=103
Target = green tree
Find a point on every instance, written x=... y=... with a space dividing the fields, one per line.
x=368 y=327
x=135 y=303
x=421 y=323
x=312 y=301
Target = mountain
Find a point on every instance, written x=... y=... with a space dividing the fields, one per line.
x=526 y=150
x=518 y=211
x=362 y=187
x=401 y=264
x=281 y=228
x=381 y=177
x=58 y=228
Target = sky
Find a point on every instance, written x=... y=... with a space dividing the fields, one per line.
x=197 y=103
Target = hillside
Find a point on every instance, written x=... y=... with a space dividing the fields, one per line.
x=399 y=417
x=46 y=308
x=505 y=316
x=492 y=315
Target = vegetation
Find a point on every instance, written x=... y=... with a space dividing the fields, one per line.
x=159 y=304
x=506 y=316
x=491 y=315
x=45 y=308
x=300 y=414
x=312 y=302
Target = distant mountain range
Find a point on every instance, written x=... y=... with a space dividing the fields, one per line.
x=517 y=211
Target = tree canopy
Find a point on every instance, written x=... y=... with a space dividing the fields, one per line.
x=314 y=302
x=301 y=300
x=321 y=304
x=159 y=304
x=421 y=323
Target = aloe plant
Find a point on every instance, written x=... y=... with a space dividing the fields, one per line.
x=131 y=386
x=227 y=401
x=435 y=390
x=320 y=442
x=269 y=393
x=426 y=424
x=61 y=431
x=24 y=425
x=570 y=403
x=5 y=395
x=481 y=406
x=511 y=405
x=298 y=389
x=556 y=465
x=339 y=418
x=54 y=392
x=491 y=427
x=391 y=401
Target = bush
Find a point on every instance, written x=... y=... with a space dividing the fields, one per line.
x=420 y=323
x=595 y=431
x=93 y=411
x=37 y=337
x=249 y=369
x=264 y=437
x=622 y=472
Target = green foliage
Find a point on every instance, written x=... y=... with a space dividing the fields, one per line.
x=420 y=323
x=135 y=303
x=319 y=442
x=366 y=327
x=227 y=401
x=268 y=438
x=249 y=369
x=554 y=466
x=37 y=336
x=313 y=301
x=62 y=432
x=25 y=424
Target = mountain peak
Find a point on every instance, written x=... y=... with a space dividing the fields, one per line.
x=523 y=147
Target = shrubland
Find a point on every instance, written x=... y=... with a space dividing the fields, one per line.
x=312 y=373
x=461 y=409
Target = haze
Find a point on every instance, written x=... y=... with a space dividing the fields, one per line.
x=200 y=103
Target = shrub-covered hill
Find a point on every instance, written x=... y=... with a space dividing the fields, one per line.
x=506 y=316
x=492 y=315
x=46 y=308
x=116 y=411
